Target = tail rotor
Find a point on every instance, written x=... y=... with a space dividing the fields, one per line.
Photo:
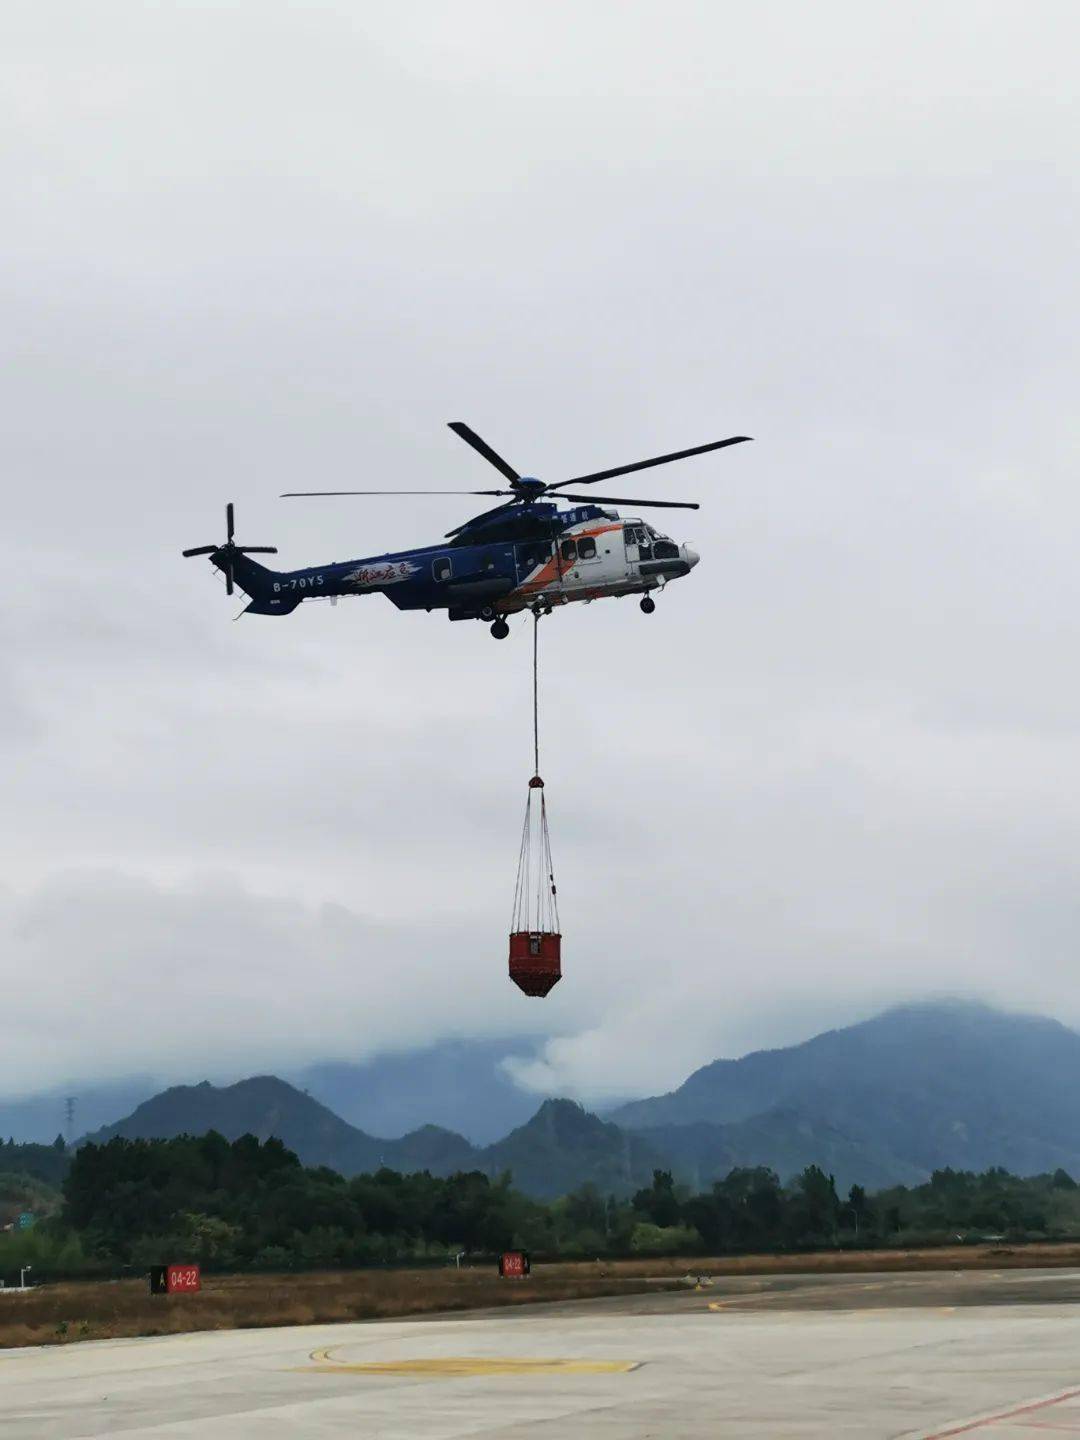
x=225 y=555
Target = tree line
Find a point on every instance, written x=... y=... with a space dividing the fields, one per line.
x=43 y=1162
x=248 y=1204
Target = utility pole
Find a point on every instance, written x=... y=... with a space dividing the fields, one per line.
x=854 y=1215
x=69 y=1120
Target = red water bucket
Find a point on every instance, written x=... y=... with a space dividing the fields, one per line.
x=535 y=960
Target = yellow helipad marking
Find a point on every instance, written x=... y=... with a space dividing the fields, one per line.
x=325 y=1364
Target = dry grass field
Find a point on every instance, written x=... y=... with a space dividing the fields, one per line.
x=839 y=1262
x=95 y=1310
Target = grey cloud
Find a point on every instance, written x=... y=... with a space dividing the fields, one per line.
x=256 y=248
x=209 y=975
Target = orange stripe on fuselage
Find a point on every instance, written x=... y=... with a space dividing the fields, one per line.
x=550 y=571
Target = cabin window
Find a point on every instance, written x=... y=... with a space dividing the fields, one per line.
x=442 y=568
x=568 y=551
x=586 y=548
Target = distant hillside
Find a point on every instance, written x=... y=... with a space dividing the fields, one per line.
x=265 y=1106
x=915 y=1089
x=881 y=1103
x=459 y=1085
x=558 y=1149
x=37 y=1118
x=563 y=1146
x=786 y=1141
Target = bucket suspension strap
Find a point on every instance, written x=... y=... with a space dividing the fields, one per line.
x=547 y=900
x=535 y=897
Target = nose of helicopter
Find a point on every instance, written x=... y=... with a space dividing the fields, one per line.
x=691 y=556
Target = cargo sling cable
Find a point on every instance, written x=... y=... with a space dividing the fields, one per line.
x=535 y=936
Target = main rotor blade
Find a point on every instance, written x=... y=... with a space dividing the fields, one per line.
x=647 y=464
x=201 y=550
x=293 y=494
x=229 y=521
x=483 y=448
x=616 y=500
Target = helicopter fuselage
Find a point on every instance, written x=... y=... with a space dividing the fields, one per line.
x=534 y=558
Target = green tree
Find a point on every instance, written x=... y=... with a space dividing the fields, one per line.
x=757 y=1206
x=856 y=1211
x=714 y=1218
x=659 y=1202
x=586 y=1209
x=814 y=1207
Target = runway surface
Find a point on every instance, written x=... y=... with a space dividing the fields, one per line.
x=912 y=1355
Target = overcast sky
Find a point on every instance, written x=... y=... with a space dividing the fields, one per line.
x=253 y=247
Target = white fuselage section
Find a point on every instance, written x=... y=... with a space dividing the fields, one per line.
x=595 y=559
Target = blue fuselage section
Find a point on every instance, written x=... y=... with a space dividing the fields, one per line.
x=500 y=563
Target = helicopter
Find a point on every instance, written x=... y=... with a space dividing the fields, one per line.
x=525 y=554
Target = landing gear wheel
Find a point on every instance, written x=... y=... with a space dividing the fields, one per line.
x=487 y=612
x=648 y=604
x=500 y=630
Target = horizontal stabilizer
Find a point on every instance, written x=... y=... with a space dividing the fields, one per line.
x=274 y=605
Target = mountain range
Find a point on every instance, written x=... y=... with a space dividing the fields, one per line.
x=881 y=1102
x=930 y=1085
x=458 y=1084
x=560 y=1147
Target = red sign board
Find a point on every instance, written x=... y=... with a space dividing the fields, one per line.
x=514 y=1265
x=182 y=1278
